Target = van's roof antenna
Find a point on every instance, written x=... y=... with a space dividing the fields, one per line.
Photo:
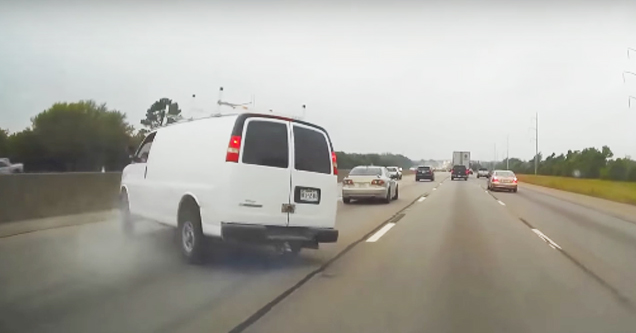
x=232 y=105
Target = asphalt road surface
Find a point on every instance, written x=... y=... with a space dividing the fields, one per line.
x=90 y=278
x=447 y=257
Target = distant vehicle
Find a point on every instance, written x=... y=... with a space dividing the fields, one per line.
x=459 y=171
x=369 y=182
x=483 y=172
x=461 y=158
x=424 y=172
x=470 y=171
x=248 y=177
x=6 y=167
x=503 y=179
x=395 y=172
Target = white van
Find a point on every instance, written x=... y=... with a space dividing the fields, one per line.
x=246 y=177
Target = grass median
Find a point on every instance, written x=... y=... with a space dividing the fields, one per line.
x=624 y=192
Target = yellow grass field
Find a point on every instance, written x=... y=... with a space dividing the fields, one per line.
x=611 y=190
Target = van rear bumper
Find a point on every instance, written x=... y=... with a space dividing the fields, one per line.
x=256 y=233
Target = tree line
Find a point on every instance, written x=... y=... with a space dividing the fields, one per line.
x=82 y=137
x=88 y=137
x=589 y=163
x=351 y=160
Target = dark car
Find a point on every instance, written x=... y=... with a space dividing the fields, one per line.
x=459 y=171
x=424 y=172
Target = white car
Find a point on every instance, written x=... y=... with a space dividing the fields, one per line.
x=395 y=172
x=369 y=182
x=6 y=167
x=483 y=172
x=249 y=177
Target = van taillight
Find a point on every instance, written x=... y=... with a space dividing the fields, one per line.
x=233 y=149
x=334 y=160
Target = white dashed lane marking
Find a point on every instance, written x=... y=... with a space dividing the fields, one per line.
x=501 y=203
x=380 y=232
x=546 y=239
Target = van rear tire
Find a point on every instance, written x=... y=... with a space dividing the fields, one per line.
x=191 y=237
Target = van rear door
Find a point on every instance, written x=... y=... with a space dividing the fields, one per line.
x=314 y=191
x=261 y=181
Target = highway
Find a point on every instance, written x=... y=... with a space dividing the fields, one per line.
x=452 y=258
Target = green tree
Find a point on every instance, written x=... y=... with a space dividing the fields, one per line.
x=4 y=142
x=80 y=136
x=162 y=112
x=350 y=160
x=26 y=147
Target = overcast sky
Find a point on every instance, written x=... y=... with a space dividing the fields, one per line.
x=417 y=79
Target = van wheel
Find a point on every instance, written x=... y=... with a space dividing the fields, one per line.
x=346 y=200
x=397 y=193
x=191 y=234
x=127 y=223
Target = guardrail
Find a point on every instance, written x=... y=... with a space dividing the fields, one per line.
x=38 y=195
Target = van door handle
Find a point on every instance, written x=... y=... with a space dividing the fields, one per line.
x=145 y=171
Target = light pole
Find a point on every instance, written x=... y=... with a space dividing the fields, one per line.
x=508 y=152
x=494 y=163
x=536 y=142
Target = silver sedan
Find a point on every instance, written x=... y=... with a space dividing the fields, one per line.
x=502 y=179
x=369 y=182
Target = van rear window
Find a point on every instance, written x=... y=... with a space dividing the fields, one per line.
x=311 y=151
x=266 y=144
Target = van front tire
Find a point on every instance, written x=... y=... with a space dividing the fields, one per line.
x=126 y=220
x=191 y=235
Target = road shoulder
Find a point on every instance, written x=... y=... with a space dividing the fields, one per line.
x=619 y=210
x=27 y=226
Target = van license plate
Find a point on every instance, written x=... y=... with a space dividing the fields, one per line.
x=309 y=195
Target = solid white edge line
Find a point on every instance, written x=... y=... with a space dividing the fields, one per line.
x=380 y=232
x=421 y=199
x=501 y=203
